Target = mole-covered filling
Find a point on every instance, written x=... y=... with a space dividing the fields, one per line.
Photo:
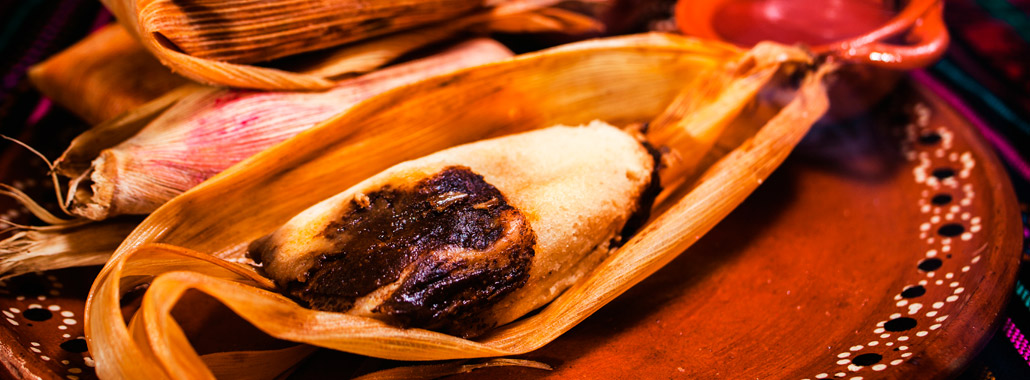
x=452 y=240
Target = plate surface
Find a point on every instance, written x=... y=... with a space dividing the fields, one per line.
x=883 y=248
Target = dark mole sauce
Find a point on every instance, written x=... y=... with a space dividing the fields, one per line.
x=439 y=238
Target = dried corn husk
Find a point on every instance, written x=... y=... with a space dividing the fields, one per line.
x=212 y=41
x=209 y=130
x=622 y=80
x=97 y=65
x=34 y=249
x=274 y=29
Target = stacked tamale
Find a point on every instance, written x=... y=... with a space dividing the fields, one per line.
x=158 y=135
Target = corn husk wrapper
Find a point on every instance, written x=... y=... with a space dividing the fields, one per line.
x=75 y=77
x=212 y=42
x=623 y=80
x=210 y=129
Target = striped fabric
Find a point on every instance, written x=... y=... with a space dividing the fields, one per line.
x=985 y=76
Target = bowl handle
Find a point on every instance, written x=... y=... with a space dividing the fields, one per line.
x=927 y=36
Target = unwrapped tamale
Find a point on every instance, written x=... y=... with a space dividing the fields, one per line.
x=470 y=237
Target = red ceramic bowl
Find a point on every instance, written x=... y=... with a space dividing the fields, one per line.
x=876 y=39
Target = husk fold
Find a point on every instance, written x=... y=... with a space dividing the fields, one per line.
x=622 y=81
x=214 y=41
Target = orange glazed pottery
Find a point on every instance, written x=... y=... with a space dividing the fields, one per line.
x=876 y=39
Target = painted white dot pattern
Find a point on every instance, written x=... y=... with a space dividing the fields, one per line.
x=41 y=312
x=949 y=227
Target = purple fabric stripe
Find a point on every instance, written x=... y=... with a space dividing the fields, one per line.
x=39 y=46
x=44 y=106
x=1007 y=152
x=1017 y=339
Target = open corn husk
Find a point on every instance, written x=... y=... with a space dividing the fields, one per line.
x=622 y=81
x=210 y=129
x=213 y=42
x=96 y=65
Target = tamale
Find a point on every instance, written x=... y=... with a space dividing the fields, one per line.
x=470 y=237
x=476 y=236
x=76 y=77
x=209 y=130
x=622 y=81
x=214 y=42
x=251 y=31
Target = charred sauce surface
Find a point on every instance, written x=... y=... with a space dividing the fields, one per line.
x=452 y=240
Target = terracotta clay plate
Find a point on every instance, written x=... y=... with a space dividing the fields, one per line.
x=883 y=248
